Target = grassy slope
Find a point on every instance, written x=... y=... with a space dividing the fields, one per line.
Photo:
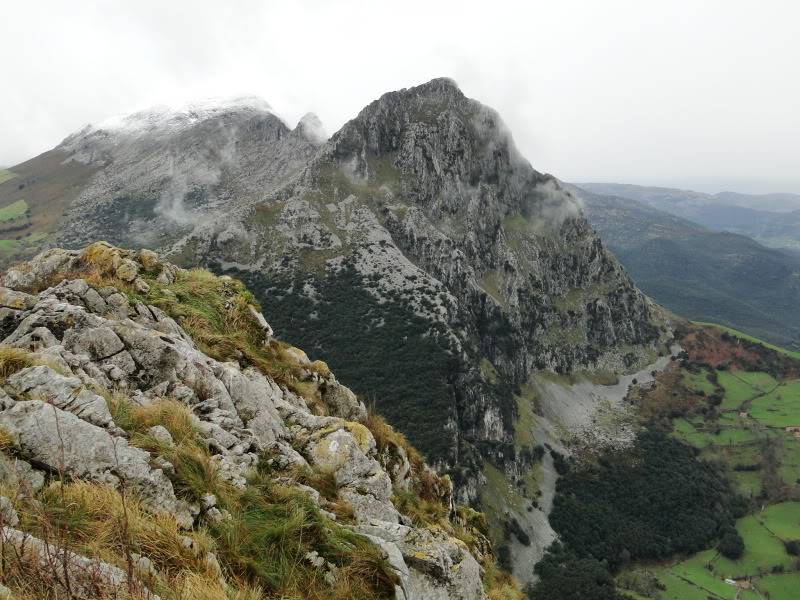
x=47 y=184
x=13 y=211
x=5 y=175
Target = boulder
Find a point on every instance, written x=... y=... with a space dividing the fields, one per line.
x=63 y=443
x=160 y=434
x=67 y=393
x=128 y=270
x=438 y=567
x=97 y=342
x=362 y=481
x=17 y=473
x=342 y=402
x=17 y=300
x=253 y=396
x=40 y=269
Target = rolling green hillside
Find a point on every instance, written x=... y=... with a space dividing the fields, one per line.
x=742 y=427
x=33 y=198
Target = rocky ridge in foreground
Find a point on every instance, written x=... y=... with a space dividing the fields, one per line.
x=157 y=440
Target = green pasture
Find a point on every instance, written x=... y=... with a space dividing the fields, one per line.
x=699 y=382
x=5 y=175
x=13 y=211
x=780 y=407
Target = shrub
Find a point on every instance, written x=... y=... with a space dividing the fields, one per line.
x=731 y=545
x=792 y=547
x=560 y=463
x=564 y=576
x=504 y=557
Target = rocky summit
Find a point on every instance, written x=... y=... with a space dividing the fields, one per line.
x=158 y=441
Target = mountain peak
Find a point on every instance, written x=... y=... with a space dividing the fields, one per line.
x=438 y=85
x=165 y=118
x=311 y=127
x=441 y=92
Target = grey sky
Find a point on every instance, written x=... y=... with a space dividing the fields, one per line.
x=701 y=94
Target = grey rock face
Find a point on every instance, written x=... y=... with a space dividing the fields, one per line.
x=19 y=473
x=343 y=402
x=66 y=393
x=436 y=567
x=205 y=162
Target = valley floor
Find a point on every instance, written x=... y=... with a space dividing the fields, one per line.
x=747 y=421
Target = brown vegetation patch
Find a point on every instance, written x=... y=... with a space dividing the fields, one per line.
x=715 y=347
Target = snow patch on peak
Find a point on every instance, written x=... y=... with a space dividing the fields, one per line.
x=170 y=118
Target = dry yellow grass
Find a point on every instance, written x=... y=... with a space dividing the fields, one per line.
x=102 y=522
x=192 y=586
x=13 y=360
x=386 y=436
x=99 y=521
x=7 y=442
x=174 y=416
x=101 y=256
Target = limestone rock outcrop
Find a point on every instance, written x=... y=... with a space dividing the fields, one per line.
x=87 y=343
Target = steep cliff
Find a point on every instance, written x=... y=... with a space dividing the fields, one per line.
x=157 y=440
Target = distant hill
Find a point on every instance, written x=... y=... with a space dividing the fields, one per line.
x=701 y=274
x=769 y=202
x=772 y=219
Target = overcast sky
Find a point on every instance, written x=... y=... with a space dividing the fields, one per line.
x=700 y=94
